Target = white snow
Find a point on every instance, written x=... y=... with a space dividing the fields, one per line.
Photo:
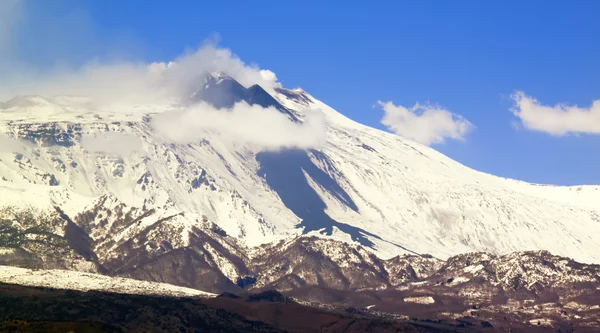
x=473 y=269
x=459 y=280
x=71 y=280
x=225 y=266
x=406 y=193
x=420 y=300
x=541 y=321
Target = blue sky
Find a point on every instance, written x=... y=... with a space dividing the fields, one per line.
x=467 y=57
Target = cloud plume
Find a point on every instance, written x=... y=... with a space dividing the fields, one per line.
x=266 y=128
x=75 y=60
x=426 y=124
x=111 y=85
x=556 y=120
x=138 y=82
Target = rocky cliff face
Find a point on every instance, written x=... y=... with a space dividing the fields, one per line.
x=363 y=185
x=525 y=287
x=363 y=217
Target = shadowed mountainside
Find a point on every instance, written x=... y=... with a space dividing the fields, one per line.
x=27 y=309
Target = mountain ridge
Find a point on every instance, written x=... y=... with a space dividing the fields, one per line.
x=364 y=185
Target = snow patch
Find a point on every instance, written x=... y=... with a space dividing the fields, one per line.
x=473 y=269
x=420 y=300
x=71 y=280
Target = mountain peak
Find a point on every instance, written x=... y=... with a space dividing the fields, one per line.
x=219 y=76
x=223 y=91
x=25 y=101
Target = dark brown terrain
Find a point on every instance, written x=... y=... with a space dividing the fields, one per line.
x=28 y=309
x=518 y=291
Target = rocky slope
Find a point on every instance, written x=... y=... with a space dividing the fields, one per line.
x=27 y=309
x=363 y=185
x=368 y=219
x=521 y=291
x=522 y=286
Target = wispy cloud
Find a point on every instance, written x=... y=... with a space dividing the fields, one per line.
x=137 y=82
x=115 y=84
x=266 y=128
x=425 y=123
x=556 y=120
x=72 y=59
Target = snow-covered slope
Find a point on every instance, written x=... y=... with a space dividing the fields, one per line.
x=71 y=280
x=428 y=203
x=390 y=194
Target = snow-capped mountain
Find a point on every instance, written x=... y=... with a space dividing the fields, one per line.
x=363 y=185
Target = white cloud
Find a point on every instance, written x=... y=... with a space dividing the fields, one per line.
x=556 y=120
x=111 y=85
x=112 y=143
x=183 y=75
x=72 y=60
x=137 y=82
x=426 y=124
x=266 y=128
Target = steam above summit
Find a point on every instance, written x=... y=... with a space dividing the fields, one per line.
x=134 y=82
